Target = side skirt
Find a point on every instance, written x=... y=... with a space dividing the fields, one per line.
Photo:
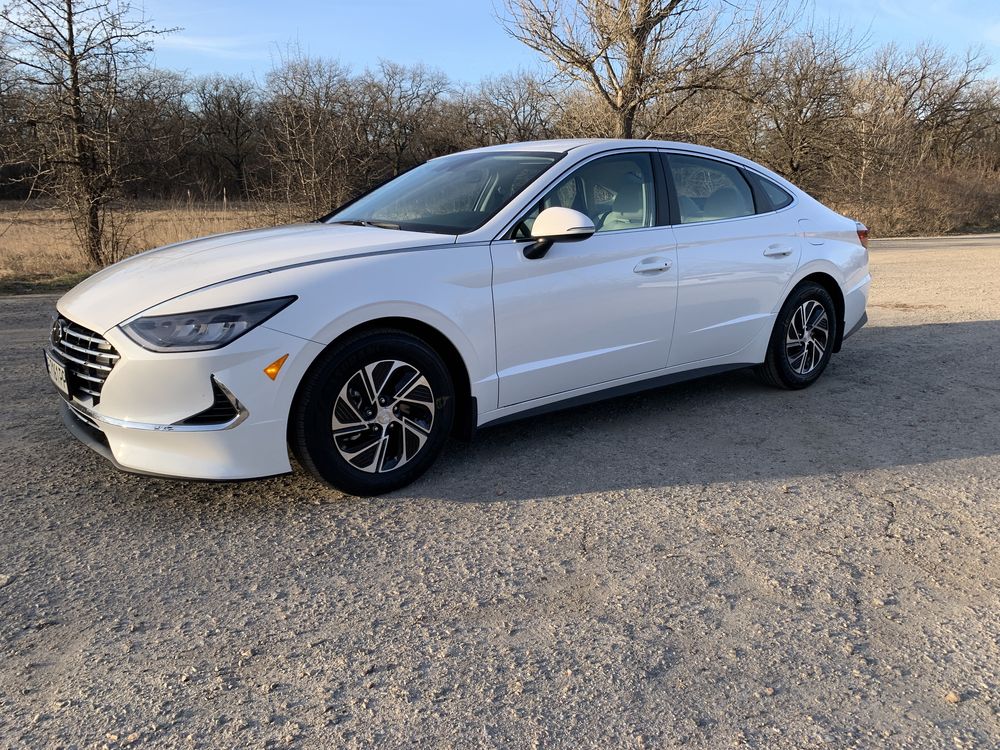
x=620 y=390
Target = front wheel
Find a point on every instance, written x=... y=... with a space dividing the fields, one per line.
x=373 y=413
x=802 y=340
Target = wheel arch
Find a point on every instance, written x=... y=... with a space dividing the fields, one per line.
x=830 y=284
x=465 y=408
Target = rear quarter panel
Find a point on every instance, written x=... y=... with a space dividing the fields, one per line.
x=830 y=245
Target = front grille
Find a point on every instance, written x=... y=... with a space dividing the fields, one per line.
x=87 y=355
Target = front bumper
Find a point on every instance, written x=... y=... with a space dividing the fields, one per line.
x=84 y=430
x=139 y=426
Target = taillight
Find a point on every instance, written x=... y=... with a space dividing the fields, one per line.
x=862 y=234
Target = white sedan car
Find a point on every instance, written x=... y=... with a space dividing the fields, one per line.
x=476 y=288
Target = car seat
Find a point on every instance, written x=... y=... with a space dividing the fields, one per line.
x=726 y=203
x=628 y=210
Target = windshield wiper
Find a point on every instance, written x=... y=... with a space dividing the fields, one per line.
x=367 y=223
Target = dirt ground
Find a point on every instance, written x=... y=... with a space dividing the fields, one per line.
x=710 y=565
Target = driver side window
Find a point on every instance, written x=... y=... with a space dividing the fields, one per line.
x=616 y=192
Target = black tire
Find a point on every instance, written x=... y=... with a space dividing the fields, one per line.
x=339 y=380
x=783 y=369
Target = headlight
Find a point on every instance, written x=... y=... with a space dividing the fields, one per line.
x=204 y=329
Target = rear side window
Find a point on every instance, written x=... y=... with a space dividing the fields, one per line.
x=709 y=190
x=778 y=197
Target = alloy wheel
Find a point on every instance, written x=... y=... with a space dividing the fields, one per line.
x=383 y=416
x=807 y=337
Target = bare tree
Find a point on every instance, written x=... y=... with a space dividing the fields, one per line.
x=801 y=95
x=304 y=137
x=513 y=107
x=398 y=100
x=76 y=55
x=15 y=130
x=84 y=119
x=227 y=108
x=922 y=112
x=629 y=52
x=154 y=129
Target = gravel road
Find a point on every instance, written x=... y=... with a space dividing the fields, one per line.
x=710 y=565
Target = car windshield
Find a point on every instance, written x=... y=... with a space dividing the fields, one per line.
x=451 y=195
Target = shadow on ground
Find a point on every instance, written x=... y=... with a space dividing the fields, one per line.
x=883 y=402
x=895 y=396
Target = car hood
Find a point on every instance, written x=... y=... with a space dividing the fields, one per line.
x=127 y=288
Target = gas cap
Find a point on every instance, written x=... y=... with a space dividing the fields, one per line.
x=805 y=229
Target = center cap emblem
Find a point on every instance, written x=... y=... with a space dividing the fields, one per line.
x=384 y=417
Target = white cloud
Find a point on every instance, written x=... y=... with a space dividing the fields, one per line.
x=229 y=47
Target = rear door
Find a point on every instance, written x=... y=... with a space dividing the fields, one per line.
x=735 y=256
x=592 y=311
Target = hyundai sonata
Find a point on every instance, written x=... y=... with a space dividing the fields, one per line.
x=476 y=288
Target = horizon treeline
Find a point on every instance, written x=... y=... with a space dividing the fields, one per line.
x=905 y=140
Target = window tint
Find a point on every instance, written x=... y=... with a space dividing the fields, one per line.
x=616 y=192
x=778 y=196
x=709 y=190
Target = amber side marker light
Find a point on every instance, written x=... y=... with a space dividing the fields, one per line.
x=274 y=368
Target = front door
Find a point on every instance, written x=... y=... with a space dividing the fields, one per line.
x=593 y=311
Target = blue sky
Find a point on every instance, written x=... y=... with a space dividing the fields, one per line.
x=464 y=39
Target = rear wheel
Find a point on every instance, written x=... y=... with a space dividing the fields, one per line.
x=802 y=340
x=373 y=413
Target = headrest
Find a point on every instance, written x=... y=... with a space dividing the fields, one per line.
x=725 y=202
x=628 y=199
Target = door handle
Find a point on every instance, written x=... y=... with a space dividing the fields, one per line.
x=653 y=265
x=778 y=251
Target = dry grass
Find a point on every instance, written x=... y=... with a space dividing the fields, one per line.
x=38 y=246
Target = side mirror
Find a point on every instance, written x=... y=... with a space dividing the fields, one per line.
x=557 y=224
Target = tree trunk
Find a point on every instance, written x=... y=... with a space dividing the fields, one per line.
x=625 y=122
x=241 y=180
x=93 y=243
x=83 y=157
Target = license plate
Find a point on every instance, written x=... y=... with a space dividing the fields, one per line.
x=57 y=373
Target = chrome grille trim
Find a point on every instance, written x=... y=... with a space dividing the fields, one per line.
x=97 y=420
x=84 y=337
x=87 y=356
x=82 y=415
x=85 y=350
x=85 y=363
x=224 y=410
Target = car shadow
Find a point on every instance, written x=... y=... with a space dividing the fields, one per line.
x=894 y=396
